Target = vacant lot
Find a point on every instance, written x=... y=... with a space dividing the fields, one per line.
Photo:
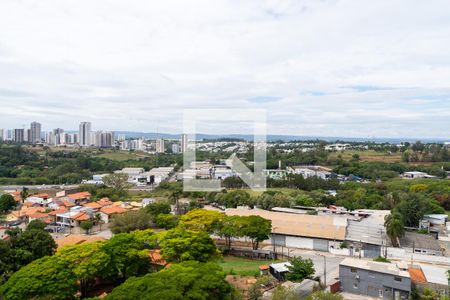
x=122 y=155
x=369 y=155
x=242 y=266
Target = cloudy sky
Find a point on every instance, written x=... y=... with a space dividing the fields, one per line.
x=320 y=68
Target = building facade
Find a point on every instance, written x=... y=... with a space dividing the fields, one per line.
x=35 y=133
x=374 y=279
x=85 y=134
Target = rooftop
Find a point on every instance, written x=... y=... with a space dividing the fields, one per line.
x=435 y=275
x=417 y=275
x=379 y=267
x=421 y=241
x=324 y=226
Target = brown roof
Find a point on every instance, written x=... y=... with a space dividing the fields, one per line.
x=113 y=210
x=79 y=196
x=156 y=258
x=28 y=204
x=76 y=239
x=327 y=227
x=81 y=216
x=38 y=215
x=42 y=195
x=16 y=196
x=417 y=276
x=58 y=211
x=94 y=205
x=67 y=203
x=105 y=202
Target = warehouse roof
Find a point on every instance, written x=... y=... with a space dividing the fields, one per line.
x=326 y=227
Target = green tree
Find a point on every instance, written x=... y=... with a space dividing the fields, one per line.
x=36 y=224
x=283 y=293
x=7 y=202
x=202 y=219
x=160 y=207
x=257 y=229
x=24 y=194
x=86 y=225
x=230 y=227
x=45 y=278
x=179 y=245
x=395 y=227
x=300 y=269
x=130 y=221
x=188 y=280
x=166 y=221
x=37 y=242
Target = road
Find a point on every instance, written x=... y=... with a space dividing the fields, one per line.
x=39 y=187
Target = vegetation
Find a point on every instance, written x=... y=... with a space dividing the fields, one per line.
x=130 y=221
x=24 y=247
x=300 y=269
x=7 y=202
x=188 y=280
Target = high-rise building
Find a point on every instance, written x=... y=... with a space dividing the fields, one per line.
x=85 y=134
x=160 y=146
x=26 y=135
x=175 y=148
x=2 y=135
x=103 y=139
x=35 y=133
x=60 y=136
x=184 y=142
x=19 y=135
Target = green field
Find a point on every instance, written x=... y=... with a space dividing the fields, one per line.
x=368 y=155
x=122 y=155
x=242 y=266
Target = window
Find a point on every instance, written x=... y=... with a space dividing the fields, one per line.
x=372 y=274
x=355 y=286
x=353 y=270
x=398 y=279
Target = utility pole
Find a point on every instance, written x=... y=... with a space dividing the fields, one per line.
x=325 y=270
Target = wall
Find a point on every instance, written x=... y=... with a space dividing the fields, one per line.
x=371 y=283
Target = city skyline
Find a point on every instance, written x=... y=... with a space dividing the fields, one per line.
x=362 y=73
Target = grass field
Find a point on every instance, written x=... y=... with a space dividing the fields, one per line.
x=369 y=155
x=242 y=266
x=122 y=155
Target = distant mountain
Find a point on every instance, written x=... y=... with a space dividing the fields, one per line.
x=285 y=138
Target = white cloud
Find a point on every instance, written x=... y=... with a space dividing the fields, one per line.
x=136 y=65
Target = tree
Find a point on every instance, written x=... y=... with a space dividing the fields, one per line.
x=283 y=293
x=128 y=254
x=45 y=278
x=230 y=227
x=320 y=295
x=36 y=224
x=188 y=280
x=24 y=194
x=257 y=229
x=300 y=269
x=160 y=207
x=7 y=202
x=166 y=221
x=87 y=262
x=119 y=182
x=37 y=242
x=179 y=245
x=130 y=221
x=202 y=219
x=395 y=227
x=86 y=225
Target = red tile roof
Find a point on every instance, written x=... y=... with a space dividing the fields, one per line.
x=79 y=196
x=104 y=202
x=58 y=211
x=94 y=205
x=113 y=210
x=38 y=215
x=81 y=216
x=42 y=195
x=417 y=276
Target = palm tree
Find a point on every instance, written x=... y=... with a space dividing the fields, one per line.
x=395 y=227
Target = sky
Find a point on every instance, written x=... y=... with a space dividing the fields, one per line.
x=319 y=68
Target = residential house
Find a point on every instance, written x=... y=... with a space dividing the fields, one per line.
x=107 y=213
x=426 y=276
